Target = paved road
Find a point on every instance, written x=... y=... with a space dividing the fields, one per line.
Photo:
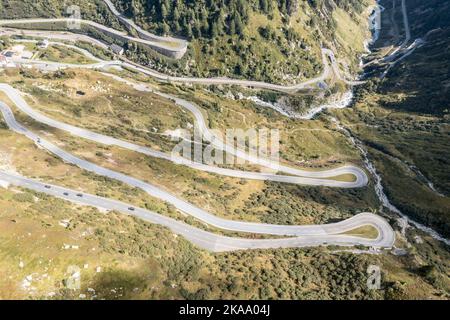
x=86 y=53
x=406 y=53
x=201 y=123
x=175 y=49
x=304 y=235
x=58 y=65
x=326 y=73
x=317 y=178
x=406 y=23
x=328 y=234
x=401 y=48
x=404 y=50
x=141 y=32
x=338 y=73
x=55 y=35
x=225 y=224
x=327 y=58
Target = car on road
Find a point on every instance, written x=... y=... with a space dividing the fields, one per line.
x=47 y=187
x=131 y=209
x=66 y=193
x=79 y=195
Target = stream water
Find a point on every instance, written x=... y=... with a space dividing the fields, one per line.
x=403 y=220
x=338 y=103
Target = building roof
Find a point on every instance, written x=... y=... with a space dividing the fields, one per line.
x=27 y=55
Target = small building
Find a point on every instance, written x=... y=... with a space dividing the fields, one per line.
x=9 y=54
x=117 y=49
x=43 y=44
x=27 y=55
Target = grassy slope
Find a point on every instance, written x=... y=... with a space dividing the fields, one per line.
x=118 y=107
x=190 y=272
x=422 y=79
x=63 y=54
x=92 y=10
x=142 y=261
x=274 y=58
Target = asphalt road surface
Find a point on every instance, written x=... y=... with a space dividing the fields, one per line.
x=327 y=57
x=225 y=224
x=178 y=48
x=318 y=235
x=317 y=178
x=141 y=32
x=301 y=236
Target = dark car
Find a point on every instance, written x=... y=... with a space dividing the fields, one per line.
x=66 y=193
x=79 y=195
x=131 y=209
x=47 y=187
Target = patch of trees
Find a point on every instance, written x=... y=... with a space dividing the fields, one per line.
x=196 y=19
x=287 y=274
x=212 y=18
x=289 y=204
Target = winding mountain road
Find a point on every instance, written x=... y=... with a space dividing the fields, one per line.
x=317 y=178
x=315 y=231
x=404 y=50
x=86 y=53
x=328 y=234
x=52 y=35
x=172 y=49
x=308 y=84
x=143 y=33
x=300 y=236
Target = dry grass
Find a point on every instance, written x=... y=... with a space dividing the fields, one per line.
x=368 y=232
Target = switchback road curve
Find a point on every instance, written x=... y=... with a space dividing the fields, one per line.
x=154 y=191
x=317 y=178
x=328 y=234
